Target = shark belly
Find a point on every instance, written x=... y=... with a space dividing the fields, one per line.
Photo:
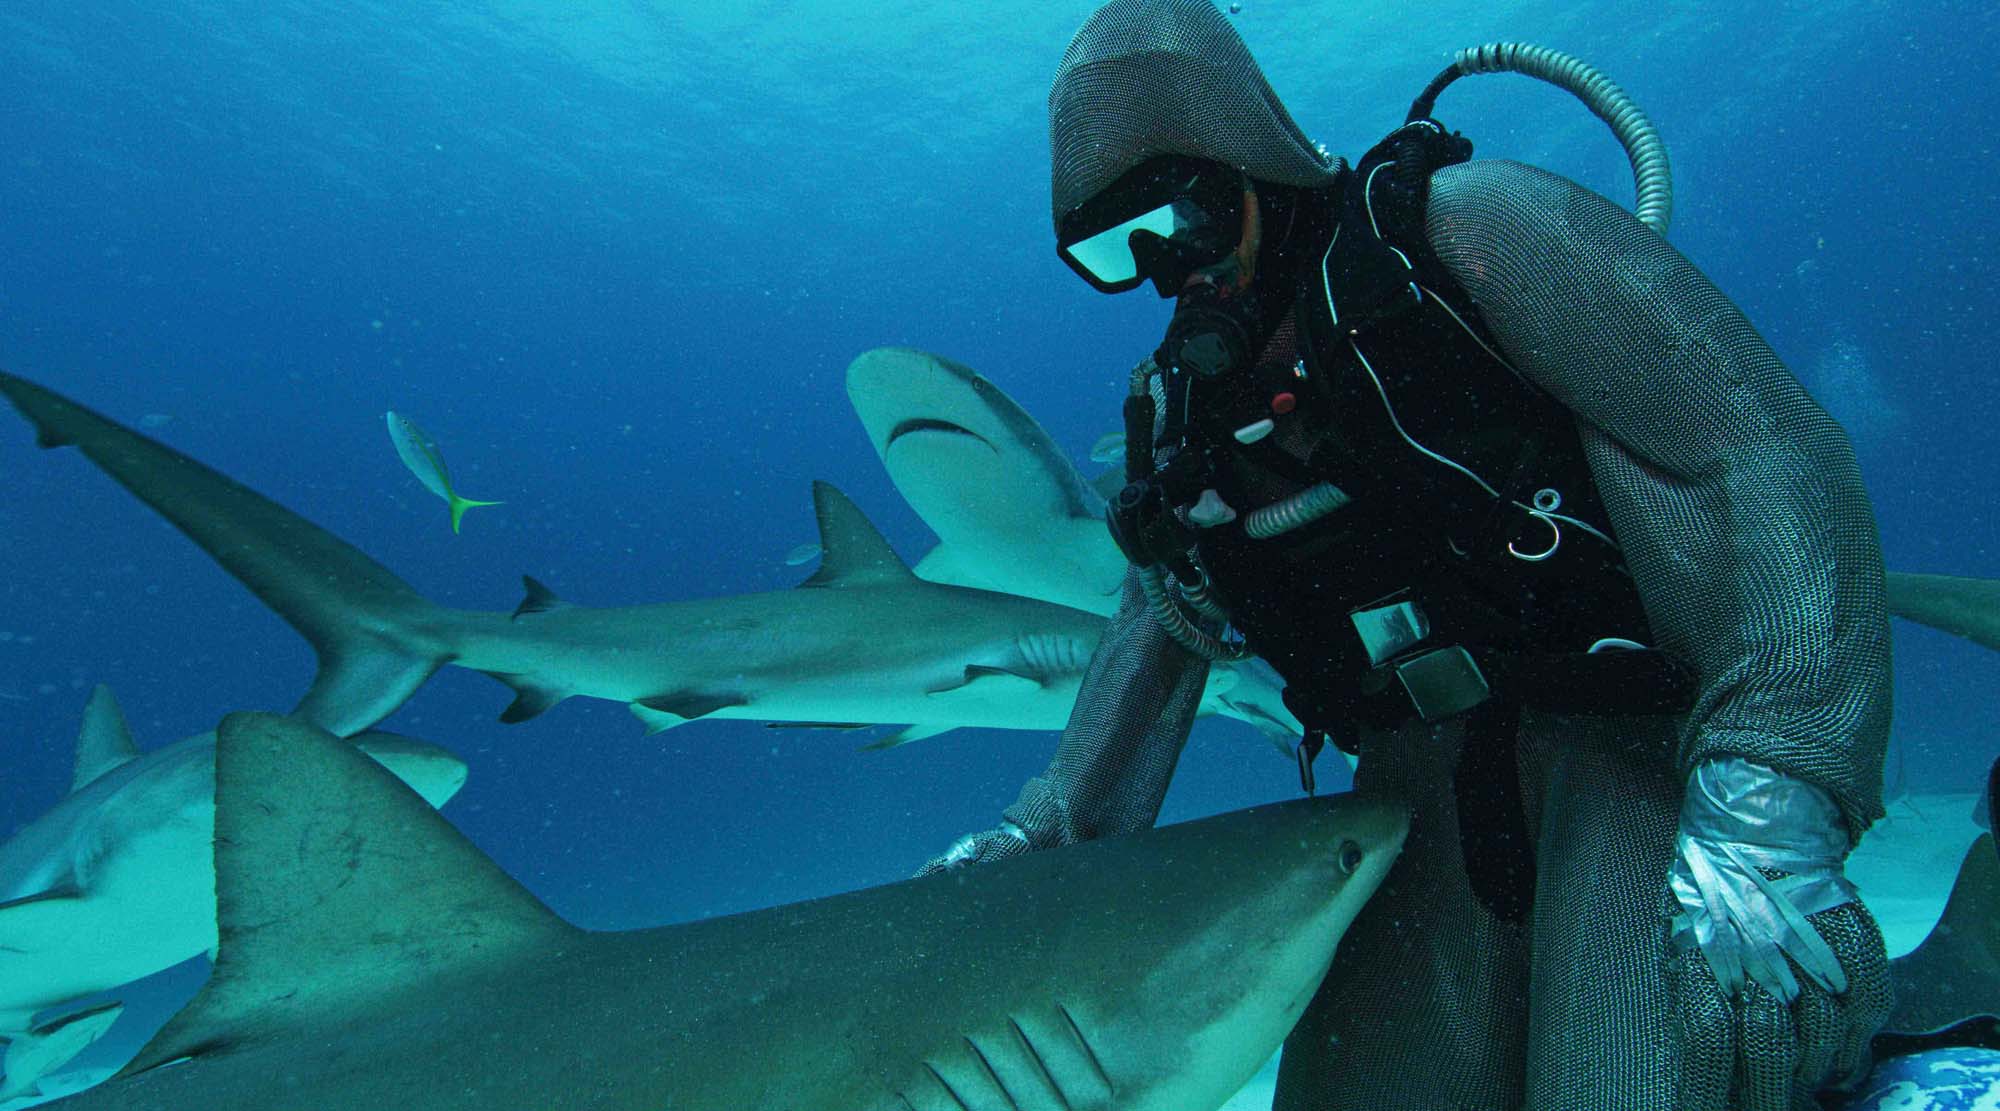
x=149 y=908
x=904 y=653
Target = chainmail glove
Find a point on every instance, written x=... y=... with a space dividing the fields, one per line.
x=979 y=848
x=1117 y=754
x=1777 y=971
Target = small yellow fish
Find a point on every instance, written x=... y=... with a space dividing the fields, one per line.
x=420 y=453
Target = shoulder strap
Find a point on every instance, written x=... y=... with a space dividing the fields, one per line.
x=1407 y=157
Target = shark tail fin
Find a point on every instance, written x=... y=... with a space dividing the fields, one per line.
x=33 y=1054
x=373 y=633
x=459 y=505
x=336 y=887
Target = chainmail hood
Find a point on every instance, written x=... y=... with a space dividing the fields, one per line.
x=1144 y=78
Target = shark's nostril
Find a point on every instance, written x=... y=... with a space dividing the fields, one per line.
x=1350 y=857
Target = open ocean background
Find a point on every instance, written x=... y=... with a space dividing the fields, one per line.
x=616 y=257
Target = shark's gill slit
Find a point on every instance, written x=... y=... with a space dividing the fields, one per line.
x=1076 y=1028
x=905 y=1100
x=1053 y=655
x=1035 y=1055
x=946 y=1085
x=987 y=1063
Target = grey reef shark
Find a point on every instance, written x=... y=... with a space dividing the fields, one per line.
x=1010 y=510
x=370 y=956
x=863 y=641
x=117 y=881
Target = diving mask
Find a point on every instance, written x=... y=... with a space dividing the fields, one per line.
x=1162 y=221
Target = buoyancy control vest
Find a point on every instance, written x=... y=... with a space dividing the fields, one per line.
x=1470 y=566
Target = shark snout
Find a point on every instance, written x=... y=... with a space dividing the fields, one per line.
x=899 y=393
x=1374 y=828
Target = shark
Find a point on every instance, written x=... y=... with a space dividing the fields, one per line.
x=987 y=479
x=1961 y=606
x=371 y=956
x=1011 y=511
x=116 y=881
x=863 y=640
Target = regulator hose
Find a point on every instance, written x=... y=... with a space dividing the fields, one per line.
x=1652 y=178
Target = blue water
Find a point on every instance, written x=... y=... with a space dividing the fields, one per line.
x=615 y=258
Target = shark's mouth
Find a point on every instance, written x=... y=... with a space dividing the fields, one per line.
x=934 y=424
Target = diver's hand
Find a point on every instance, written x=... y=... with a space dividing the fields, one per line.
x=980 y=848
x=1777 y=972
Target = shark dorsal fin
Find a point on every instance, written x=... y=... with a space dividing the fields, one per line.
x=337 y=887
x=538 y=598
x=852 y=550
x=104 y=742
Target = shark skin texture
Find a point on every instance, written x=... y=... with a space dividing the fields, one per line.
x=1963 y=607
x=117 y=881
x=864 y=640
x=944 y=432
x=372 y=957
x=1010 y=510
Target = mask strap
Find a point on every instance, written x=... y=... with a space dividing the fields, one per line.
x=1248 y=243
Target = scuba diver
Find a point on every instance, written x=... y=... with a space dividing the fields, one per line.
x=1529 y=518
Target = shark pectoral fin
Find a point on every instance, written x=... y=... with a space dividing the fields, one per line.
x=905 y=735
x=942 y=564
x=681 y=707
x=337 y=889
x=1954 y=975
x=852 y=550
x=531 y=699
x=990 y=680
x=537 y=599
x=104 y=742
x=48 y=1047
x=361 y=680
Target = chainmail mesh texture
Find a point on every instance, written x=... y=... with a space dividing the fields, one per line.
x=1124 y=737
x=1600 y=1024
x=1735 y=497
x=1427 y=973
x=1143 y=78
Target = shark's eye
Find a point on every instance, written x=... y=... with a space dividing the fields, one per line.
x=1350 y=857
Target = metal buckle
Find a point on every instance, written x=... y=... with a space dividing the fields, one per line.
x=1389 y=631
x=1443 y=683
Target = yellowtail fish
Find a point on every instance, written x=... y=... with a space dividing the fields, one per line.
x=420 y=453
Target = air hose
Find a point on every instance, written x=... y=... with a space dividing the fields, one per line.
x=1651 y=175
x=1165 y=597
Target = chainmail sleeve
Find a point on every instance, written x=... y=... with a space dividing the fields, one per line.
x=1735 y=497
x=1124 y=736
